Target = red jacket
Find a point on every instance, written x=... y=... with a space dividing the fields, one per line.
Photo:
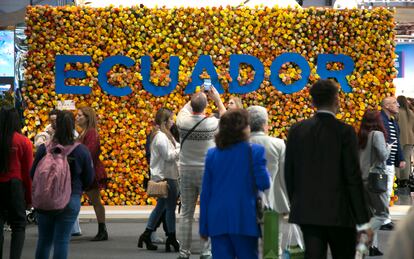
x=21 y=160
x=92 y=142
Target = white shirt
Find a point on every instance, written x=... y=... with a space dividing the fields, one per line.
x=164 y=157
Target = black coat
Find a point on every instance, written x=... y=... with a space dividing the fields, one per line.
x=322 y=173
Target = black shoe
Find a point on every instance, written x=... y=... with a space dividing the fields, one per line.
x=146 y=238
x=374 y=251
x=102 y=233
x=402 y=184
x=171 y=240
x=389 y=226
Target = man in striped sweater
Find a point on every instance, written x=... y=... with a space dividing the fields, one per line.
x=197 y=135
x=389 y=110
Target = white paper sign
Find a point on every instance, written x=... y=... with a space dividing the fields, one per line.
x=68 y=105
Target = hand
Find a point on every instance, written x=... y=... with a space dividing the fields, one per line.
x=402 y=165
x=213 y=94
x=389 y=145
x=369 y=234
x=204 y=238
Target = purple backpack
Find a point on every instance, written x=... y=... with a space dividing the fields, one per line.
x=51 y=187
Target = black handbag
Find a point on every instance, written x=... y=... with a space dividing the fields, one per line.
x=377 y=178
x=377 y=182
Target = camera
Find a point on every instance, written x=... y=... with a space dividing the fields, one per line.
x=207 y=85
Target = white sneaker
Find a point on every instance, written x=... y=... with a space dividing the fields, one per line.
x=156 y=239
x=7 y=228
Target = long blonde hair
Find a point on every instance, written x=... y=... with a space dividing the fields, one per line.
x=237 y=101
x=91 y=120
x=161 y=119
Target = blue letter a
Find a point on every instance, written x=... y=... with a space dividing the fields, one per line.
x=204 y=62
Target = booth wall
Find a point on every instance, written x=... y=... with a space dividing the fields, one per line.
x=366 y=36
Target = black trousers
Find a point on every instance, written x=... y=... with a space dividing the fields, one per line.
x=341 y=241
x=13 y=210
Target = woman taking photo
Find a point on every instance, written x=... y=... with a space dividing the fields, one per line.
x=234 y=171
x=163 y=166
x=15 y=184
x=87 y=122
x=55 y=228
x=373 y=151
x=235 y=103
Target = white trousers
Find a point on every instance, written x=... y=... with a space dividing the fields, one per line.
x=390 y=171
x=190 y=187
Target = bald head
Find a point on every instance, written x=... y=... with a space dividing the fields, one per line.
x=387 y=101
x=198 y=102
x=390 y=105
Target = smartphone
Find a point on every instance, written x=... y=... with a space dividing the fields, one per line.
x=207 y=85
x=392 y=144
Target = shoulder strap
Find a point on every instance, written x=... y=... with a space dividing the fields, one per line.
x=51 y=147
x=48 y=145
x=372 y=148
x=69 y=149
x=191 y=131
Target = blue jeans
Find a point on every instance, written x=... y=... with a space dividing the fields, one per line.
x=169 y=204
x=56 y=230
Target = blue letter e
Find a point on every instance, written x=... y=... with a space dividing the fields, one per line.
x=61 y=74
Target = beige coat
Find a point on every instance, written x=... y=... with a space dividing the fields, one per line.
x=406 y=124
x=275 y=157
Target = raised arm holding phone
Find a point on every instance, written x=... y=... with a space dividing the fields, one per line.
x=197 y=135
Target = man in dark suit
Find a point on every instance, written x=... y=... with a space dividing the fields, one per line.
x=323 y=179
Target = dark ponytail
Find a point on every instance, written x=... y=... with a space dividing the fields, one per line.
x=9 y=124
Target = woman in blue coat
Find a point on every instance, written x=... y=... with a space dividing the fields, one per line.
x=228 y=196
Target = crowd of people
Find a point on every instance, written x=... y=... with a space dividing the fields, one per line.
x=19 y=166
x=226 y=160
x=323 y=156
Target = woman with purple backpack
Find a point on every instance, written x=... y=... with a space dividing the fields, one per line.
x=54 y=226
x=15 y=185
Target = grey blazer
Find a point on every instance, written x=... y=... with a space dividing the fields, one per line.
x=275 y=156
x=381 y=151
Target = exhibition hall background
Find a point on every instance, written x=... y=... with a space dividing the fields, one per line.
x=366 y=36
